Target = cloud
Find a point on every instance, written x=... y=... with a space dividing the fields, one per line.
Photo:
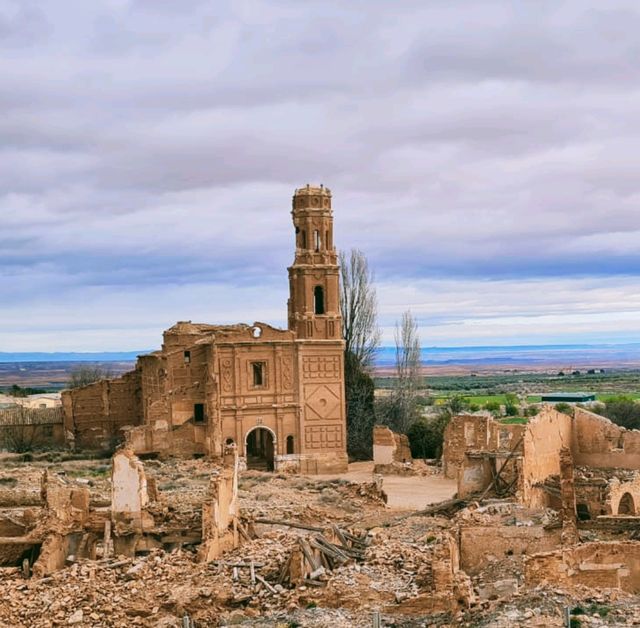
x=152 y=151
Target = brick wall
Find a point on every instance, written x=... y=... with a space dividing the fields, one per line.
x=94 y=415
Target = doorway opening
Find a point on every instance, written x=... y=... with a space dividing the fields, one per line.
x=260 y=448
x=626 y=506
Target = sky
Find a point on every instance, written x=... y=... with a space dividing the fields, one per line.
x=482 y=154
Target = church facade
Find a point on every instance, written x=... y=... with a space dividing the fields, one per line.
x=277 y=394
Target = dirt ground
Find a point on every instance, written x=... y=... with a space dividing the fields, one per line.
x=403 y=492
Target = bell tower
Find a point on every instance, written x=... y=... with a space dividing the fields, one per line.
x=314 y=297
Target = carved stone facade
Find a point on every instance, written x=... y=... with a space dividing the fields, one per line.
x=278 y=395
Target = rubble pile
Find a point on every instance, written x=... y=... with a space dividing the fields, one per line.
x=191 y=543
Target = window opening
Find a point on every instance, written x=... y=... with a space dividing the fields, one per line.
x=187 y=357
x=318 y=300
x=198 y=412
x=258 y=373
x=582 y=510
x=289 y=444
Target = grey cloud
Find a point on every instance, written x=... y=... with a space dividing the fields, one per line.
x=155 y=143
x=21 y=24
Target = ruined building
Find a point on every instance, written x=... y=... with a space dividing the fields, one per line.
x=278 y=395
x=527 y=460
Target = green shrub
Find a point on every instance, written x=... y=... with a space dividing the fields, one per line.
x=493 y=407
x=511 y=410
x=623 y=411
x=426 y=436
x=565 y=408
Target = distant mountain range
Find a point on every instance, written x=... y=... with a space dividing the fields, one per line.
x=520 y=355
x=106 y=356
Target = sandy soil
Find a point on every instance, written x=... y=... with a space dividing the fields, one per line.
x=403 y=492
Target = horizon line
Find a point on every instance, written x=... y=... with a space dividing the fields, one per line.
x=422 y=348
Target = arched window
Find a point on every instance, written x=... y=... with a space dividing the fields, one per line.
x=317 y=242
x=626 y=506
x=290 y=444
x=303 y=239
x=318 y=300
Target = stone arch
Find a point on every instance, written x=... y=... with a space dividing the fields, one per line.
x=626 y=505
x=260 y=444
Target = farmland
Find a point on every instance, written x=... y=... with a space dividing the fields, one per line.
x=481 y=389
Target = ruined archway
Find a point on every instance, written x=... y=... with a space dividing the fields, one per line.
x=260 y=449
x=626 y=505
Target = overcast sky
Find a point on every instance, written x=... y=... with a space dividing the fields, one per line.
x=484 y=155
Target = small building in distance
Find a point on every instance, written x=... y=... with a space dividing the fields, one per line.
x=568 y=397
x=276 y=394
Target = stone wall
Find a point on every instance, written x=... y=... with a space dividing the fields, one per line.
x=389 y=447
x=465 y=431
x=544 y=437
x=480 y=545
x=31 y=427
x=624 y=497
x=220 y=510
x=597 y=442
x=95 y=415
x=476 y=432
x=614 y=564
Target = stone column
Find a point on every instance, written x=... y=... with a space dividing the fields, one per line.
x=569 y=534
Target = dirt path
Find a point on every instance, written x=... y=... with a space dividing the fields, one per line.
x=404 y=492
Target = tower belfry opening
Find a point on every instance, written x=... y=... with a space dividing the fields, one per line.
x=318 y=300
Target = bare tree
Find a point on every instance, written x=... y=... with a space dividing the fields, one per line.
x=407 y=354
x=359 y=307
x=400 y=411
x=18 y=433
x=84 y=375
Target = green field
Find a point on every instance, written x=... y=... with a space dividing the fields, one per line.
x=481 y=400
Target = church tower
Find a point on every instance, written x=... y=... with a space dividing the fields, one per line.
x=314 y=297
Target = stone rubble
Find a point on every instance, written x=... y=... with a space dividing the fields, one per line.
x=406 y=573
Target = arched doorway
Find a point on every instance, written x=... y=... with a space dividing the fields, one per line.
x=260 y=449
x=626 y=505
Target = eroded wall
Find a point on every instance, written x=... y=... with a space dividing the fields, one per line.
x=95 y=415
x=479 y=433
x=480 y=545
x=544 y=437
x=614 y=564
x=624 y=497
x=597 y=442
x=389 y=447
